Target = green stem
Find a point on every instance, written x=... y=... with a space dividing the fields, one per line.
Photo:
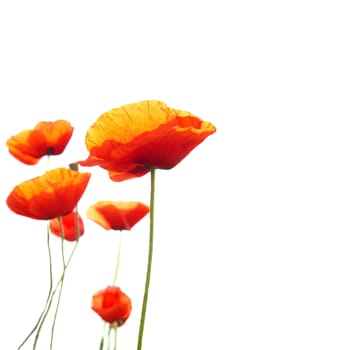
x=47 y=299
x=56 y=312
x=77 y=223
x=115 y=338
x=114 y=283
x=149 y=263
x=62 y=281
x=118 y=259
x=109 y=339
x=48 y=305
x=103 y=336
x=47 y=162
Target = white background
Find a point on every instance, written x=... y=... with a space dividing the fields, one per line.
x=252 y=245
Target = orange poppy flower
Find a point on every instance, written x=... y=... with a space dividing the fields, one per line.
x=47 y=138
x=72 y=226
x=112 y=305
x=130 y=140
x=53 y=194
x=117 y=215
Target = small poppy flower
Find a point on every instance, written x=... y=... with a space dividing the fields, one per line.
x=112 y=305
x=117 y=215
x=47 y=138
x=130 y=140
x=72 y=226
x=55 y=193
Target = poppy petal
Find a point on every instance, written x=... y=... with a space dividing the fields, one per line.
x=130 y=140
x=113 y=215
x=112 y=305
x=53 y=194
x=47 y=138
x=72 y=229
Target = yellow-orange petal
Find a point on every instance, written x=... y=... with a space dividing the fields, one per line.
x=126 y=122
x=128 y=145
x=113 y=215
x=47 y=138
x=53 y=194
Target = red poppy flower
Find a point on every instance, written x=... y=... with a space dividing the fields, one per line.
x=130 y=140
x=53 y=194
x=72 y=226
x=117 y=215
x=112 y=305
x=47 y=138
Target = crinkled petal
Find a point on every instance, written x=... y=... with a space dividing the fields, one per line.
x=131 y=140
x=53 y=194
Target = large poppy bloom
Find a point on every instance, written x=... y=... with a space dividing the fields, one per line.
x=47 y=138
x=72 y=226
x=117 y=215
x=112 y=305
x=130 y=140
x=55 y=193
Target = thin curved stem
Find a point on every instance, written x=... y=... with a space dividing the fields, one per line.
x=55 y=315
x=149 y=263
x=47 y=298
x=48 y=306
x=62 y=281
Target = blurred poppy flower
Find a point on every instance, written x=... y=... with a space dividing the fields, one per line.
x=53 y=194
x=47 y=138
x=130 y=140
x=112 y=305
x=72 y=226
x=117 y=215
